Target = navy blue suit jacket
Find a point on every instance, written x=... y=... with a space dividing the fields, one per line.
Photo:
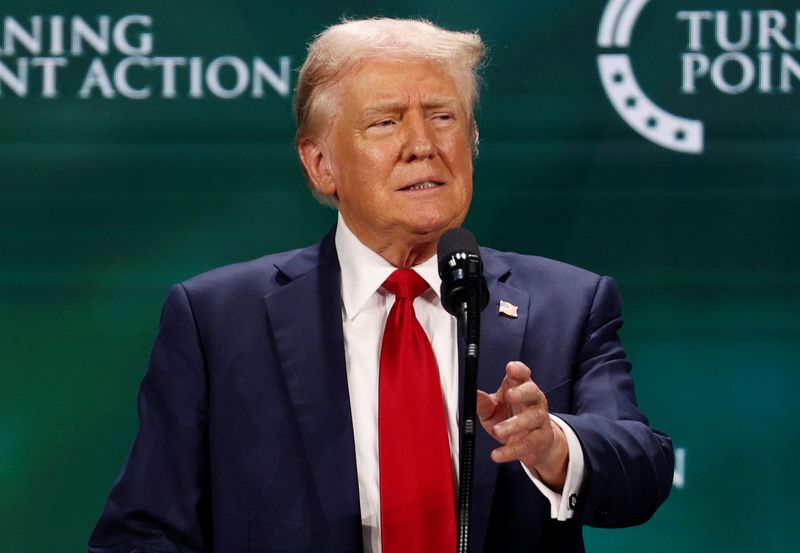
x=246 y=441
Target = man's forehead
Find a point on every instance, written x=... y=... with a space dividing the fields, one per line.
x=394 y=70
x=379 y=83
x=401 y=100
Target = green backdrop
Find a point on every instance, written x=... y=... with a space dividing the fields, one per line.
x=106 y=201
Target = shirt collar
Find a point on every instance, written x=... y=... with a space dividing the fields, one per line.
x=363 y=271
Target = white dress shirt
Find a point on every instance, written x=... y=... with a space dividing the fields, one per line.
x=365 y=308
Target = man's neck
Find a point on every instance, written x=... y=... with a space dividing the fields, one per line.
x=403 y=252
x=406 y=256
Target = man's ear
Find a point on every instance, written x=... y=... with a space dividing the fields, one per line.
x=315 y=157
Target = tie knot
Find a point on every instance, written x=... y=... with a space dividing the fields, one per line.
x=405 y=283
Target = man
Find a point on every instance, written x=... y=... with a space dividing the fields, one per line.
x=273 y=416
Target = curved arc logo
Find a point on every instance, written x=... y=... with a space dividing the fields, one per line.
x=631 y=103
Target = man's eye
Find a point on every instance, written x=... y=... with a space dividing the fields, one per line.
x=384 y=123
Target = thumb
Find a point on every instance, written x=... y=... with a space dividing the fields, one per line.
x=485 y=405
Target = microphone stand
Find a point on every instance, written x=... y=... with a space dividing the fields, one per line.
x=471 y=322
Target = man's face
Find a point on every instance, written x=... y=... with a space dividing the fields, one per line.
x=399 y=152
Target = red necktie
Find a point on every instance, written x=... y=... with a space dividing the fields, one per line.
x=416 y=475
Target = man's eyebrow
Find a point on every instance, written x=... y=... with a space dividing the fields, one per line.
x=387 y=106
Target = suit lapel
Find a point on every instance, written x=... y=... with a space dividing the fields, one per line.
x=501 y=341
x=306 y=322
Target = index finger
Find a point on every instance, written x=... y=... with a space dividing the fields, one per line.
x=517 y=373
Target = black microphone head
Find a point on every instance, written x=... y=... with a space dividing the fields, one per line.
x=455 y=241
x=460 y=262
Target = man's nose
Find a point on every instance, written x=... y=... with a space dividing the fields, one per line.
x=418 y=139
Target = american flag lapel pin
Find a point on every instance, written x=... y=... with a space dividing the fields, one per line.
x=508 y=309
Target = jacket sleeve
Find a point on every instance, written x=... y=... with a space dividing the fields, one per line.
x=160 y=502
x=629 y=465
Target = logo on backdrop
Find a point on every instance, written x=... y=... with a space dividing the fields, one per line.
x=726 y=52
x=38 y=54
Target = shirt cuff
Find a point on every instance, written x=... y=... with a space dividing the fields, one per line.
x=562 y=505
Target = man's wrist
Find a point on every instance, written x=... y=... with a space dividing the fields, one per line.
x=563 y=503
x=552 y=471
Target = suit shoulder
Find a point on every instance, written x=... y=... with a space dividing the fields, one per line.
x=556 y=287
x=539 y=270
x=257 y=276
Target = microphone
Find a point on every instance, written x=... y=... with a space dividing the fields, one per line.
x=459 y=264
x=464 y=295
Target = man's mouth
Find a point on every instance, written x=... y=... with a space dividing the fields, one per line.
x=423 y=185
